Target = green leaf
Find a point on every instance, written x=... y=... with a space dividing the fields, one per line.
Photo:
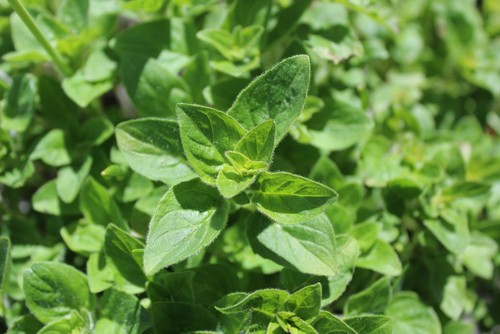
x=344 y=126
x=464 y=190
x=98 y=206
x=286 y=20
x=310 y=247
x=56 y=107
x=120 y=249
x=172 y=317
x=411 y=316
x=373 y=299
x=332 y=287
x=152 y=147
x=99 y=67
x=138 y=43
x=83 y=238
x=245 y=165
x=211 y=282
x=121 y=313
x=54 y=289
x=325 y=171
x=45 y=200
x=148 y=6
x=19 y=106
x=454 y=235
x=279 y=95
x=453 y=294
x=97 y=130
x=366 y=234
x=206 y=135
x=197 y=76
x=100 y=273
x=458 y=327
x=52 y=149
x=305 y=303
x=237 y=46
x=381 y=258
x=71 y=323
x=176 y=286
x=373 y=324
x=231 y=182
x=344 y=48
x=327 y=323
x=289 y=198
x=258 y=143
x=83 y=92
x=188 y=218
x=246 y=13
x=69 y=180
x=4 y=264
x=478 y=255
x=157 y=89
x=263 y=304
x=26 y=324
x=74 y=14
x=289 y=323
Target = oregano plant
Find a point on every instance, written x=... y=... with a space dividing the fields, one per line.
x=231 y=155
x=236 y=166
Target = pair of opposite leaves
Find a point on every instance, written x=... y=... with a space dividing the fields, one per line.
x=233 y=150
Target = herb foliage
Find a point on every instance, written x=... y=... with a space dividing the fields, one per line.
x=267 y=166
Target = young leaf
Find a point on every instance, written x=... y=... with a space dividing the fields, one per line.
x=258 y=143
x=291 y=199
x=152 y=147
x=305 y=303
x=54 y=289
x=279 y=95
x=245 y=165
x=206 y=135
x=290 y=323
x=231 y=182
x=188 y=218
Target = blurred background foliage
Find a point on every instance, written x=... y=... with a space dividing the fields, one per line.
x=402 y=119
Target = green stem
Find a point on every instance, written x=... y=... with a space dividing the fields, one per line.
x=19 y=8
